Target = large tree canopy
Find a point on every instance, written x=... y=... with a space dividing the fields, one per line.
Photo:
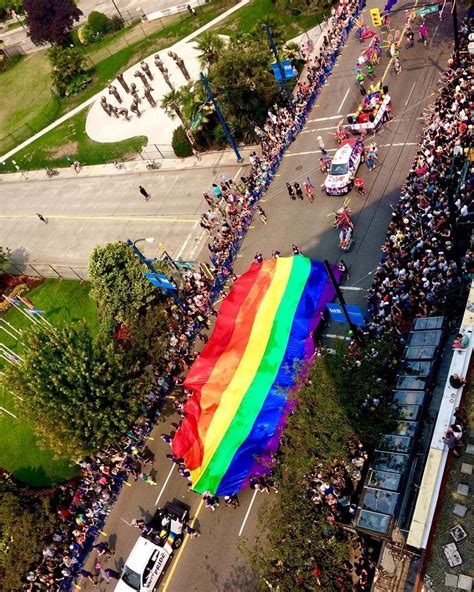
x=50 y=21
x=118 y=282
x=24 y=524
x=79 y=393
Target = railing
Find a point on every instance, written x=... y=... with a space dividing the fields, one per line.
x=47 y=270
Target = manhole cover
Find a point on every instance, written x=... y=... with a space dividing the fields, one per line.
x=299 y=167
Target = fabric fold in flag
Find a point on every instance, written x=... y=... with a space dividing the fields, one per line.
x=241 y=379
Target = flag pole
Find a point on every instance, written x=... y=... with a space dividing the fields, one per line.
x=11 y=301
x=19 y=331
x=11 y=334
x=11 y=351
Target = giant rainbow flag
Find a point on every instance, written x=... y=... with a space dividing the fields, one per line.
x=240 y=381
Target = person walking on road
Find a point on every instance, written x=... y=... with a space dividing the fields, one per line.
x=291 y=191
x=360 y=80
x=42 y=218
x=396 y=66
x=309 y=189
x=410 y=37
x=423 y=33
x=298 y=190
x=144 y=192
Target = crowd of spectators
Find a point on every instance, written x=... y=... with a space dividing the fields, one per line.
x=421 y=258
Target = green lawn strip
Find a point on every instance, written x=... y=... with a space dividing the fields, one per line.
x=62 y=300
x=70 y=140
x=20 y=106
x=245 y=19
x=24 y=113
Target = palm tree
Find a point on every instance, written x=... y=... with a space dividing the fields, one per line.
x=172 y=104
x=210 y=45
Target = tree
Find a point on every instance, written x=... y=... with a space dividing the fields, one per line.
x=118 y=283
x=172 y=104
x=243 y=81
x=68 y=64
x=79 y=393
x=4 y=256
x=24 y=525
x=210 y=45
x=50 y=21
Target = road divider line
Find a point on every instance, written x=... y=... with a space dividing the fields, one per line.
x=411 y=92
x=343 y=100
x=198 y=244
x=164 y=485
x=103 y=218
x=354 y=288
x=323 y=118
x=178 y=555
x=188 y=238
x=248 y=512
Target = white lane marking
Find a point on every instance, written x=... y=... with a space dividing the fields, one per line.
x=164 y=485
x=343 y=100
x=355 y=288
x=237 y=174
x=319 y=129
x=411 y=92
x=128 y=523
x=185 y=244
x=331 y=336
x=197 y=245
x=434 y=35
x=324 y=118
x=248 y=512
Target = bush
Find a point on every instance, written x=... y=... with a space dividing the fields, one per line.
x=77 y=84
x=180 y=143
x=68 y=66
x=86 y=35
x=99 y=23
x=219 y=136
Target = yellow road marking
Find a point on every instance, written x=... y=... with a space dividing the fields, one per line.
x=107 y=218
x=176 y=559
x=398 y=45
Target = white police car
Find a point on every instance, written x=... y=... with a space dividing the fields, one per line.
x=344 y=167
x=151 y=553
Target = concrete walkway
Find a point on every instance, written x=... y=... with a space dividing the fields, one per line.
x=211 y=160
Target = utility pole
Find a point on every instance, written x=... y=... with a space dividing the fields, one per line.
x=118 y=11
x=280 y=66
x=225 y=127
x=454 y=12
x=352 y=327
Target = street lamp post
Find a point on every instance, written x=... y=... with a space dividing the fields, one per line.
x=139 y=254
x=223 y=122
x=118 y=11
x=280 y=66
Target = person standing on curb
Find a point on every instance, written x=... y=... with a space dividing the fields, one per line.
x=144 y=192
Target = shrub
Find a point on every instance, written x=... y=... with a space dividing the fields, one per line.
x=77 y=84
x=180 y=143
x=99 y=23
x=86 y=35
x=219 y=136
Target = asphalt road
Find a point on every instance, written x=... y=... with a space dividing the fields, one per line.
x=83 y=212
x=213 y=561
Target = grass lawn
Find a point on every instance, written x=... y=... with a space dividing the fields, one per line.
x=245 y=19
x=70 y=139
x=23 y=112
x=62 y=300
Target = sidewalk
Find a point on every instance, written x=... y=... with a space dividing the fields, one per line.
x=212 y=160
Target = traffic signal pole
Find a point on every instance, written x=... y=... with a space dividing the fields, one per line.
x=280 y=66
